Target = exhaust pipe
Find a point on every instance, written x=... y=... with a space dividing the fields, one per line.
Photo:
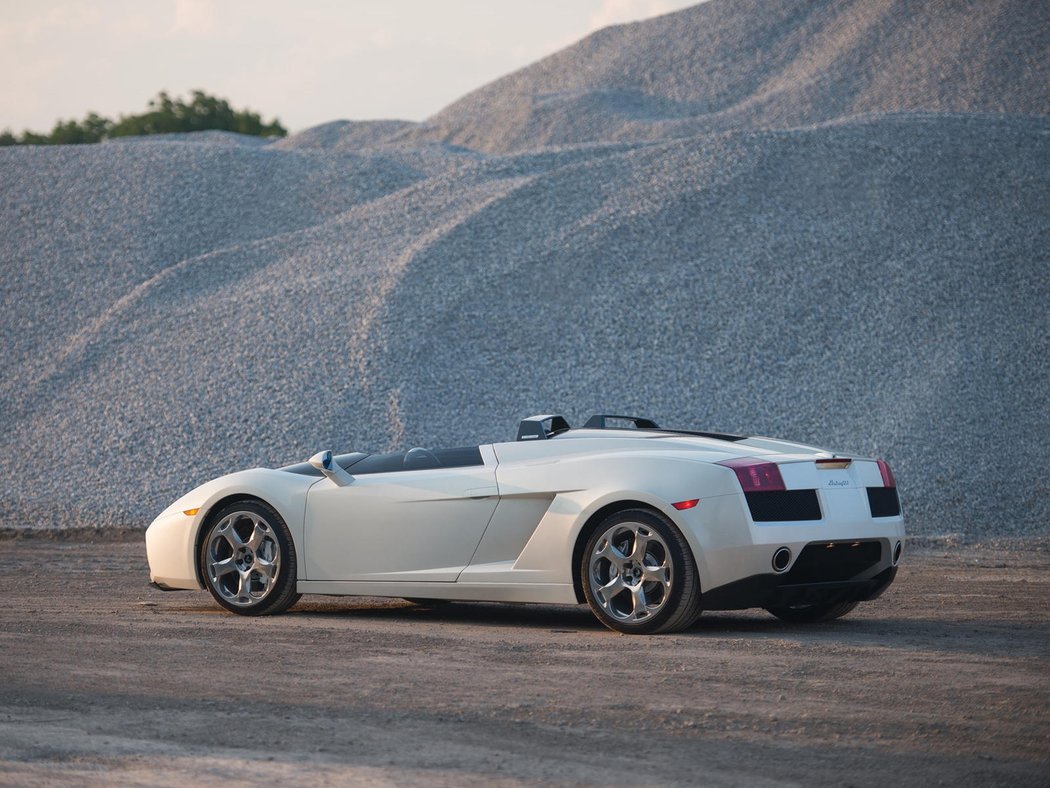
x=781 y=559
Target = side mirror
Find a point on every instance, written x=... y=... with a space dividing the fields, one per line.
x=326 y=464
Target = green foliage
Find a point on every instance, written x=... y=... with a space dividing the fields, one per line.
x=164 y=115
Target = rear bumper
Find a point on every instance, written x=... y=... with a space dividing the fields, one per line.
x=734 y=553
x=772 y=590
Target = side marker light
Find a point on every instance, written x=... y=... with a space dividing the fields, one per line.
x=190 y=512
x=686 y=504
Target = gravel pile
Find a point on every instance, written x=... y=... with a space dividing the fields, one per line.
x=723 y=65
x=174 y=309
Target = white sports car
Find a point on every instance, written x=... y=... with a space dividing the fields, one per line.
x=648 y=526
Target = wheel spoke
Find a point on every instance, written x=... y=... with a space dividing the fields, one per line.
x=259 y=532
x=611 y=589
x=223 y=567
x=231 y=535
x=640 y=609
x=243 y=587
x=266 y=569
x=641 y=541
x=656 y=574
x=609 y=552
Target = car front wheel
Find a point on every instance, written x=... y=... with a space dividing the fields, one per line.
x=638 y=574
x=247 y=559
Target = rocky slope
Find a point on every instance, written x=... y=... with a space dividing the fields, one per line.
x=722 y=65
x=866 y=268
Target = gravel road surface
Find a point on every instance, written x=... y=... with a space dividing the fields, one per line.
x=944 y=680
x=811 y=220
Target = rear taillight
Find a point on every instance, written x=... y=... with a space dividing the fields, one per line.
x=887 y=474
x=756 y=475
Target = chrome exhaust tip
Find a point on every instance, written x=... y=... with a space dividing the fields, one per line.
x=781 y=559
x=897 y=550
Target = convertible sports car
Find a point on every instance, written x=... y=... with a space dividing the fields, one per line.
x=648 y=526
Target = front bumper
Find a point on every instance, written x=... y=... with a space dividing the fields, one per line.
x=170 y=543
x=162 y=587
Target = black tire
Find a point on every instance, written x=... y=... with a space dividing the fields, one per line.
x=679 y=596
x=811 y=614
x=237 y=577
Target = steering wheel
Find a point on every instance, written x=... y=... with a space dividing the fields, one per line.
x=421 y=458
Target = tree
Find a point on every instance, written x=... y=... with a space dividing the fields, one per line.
x=164 y=115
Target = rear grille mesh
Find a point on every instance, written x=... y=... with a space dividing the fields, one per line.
x=830 y=562
x=781 y=505
x=884 y=502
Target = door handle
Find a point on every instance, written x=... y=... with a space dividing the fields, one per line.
x=479 y=493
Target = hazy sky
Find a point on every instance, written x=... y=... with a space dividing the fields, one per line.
x=305 y=61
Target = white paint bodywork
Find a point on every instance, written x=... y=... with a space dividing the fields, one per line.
x=506 y=530
x=171 y=539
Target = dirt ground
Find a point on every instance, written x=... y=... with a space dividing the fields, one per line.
x=945 y=680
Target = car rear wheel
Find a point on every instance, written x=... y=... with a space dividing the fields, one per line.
x=247 y=560
x=807 y=614
x=638 y=574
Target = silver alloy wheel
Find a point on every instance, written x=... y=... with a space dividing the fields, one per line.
x=630 y=572
x=243 y=558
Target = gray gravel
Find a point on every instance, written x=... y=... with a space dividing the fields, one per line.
x=722 y=65
x=944 y=680
x=178 y=308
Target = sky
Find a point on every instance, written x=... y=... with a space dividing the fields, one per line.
x=305 y=62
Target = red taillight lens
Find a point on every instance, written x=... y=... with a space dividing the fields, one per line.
x=887 y=474
x=834 y=463
x=756 y=475
x=682 y=505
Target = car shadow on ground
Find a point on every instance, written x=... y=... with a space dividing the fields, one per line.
x=978 y=637
x=489 y=614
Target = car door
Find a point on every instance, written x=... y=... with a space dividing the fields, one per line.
x=401 y=523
